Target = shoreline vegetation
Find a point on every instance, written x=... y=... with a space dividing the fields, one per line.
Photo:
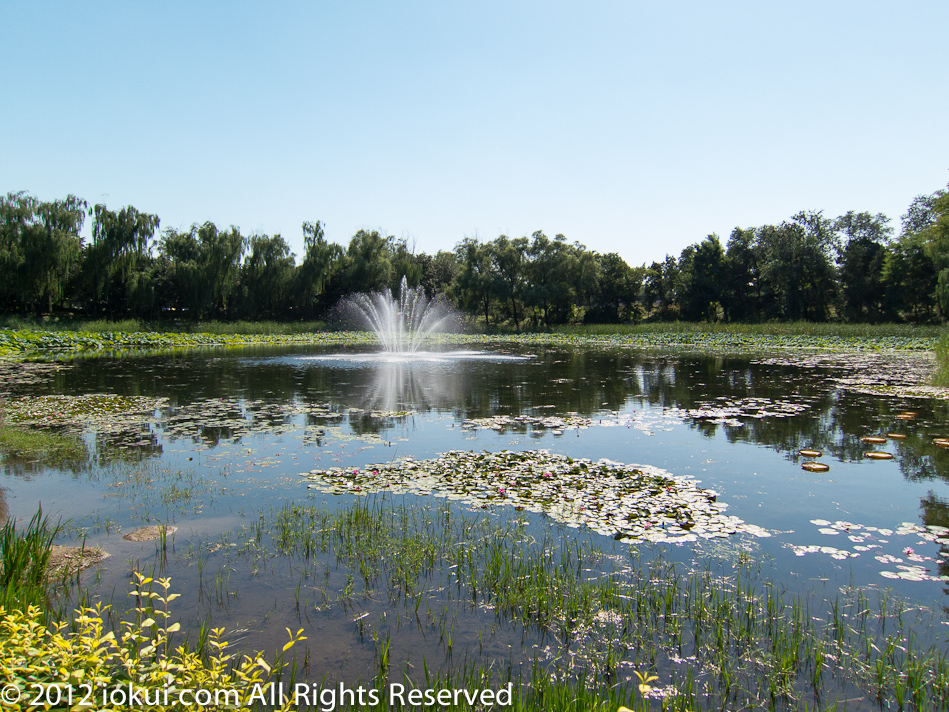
x=43 y=339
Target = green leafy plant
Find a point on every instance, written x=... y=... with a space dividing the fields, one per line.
x=41 y=660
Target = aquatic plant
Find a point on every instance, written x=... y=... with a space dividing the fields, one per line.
x=24 y=557
x=717 y=636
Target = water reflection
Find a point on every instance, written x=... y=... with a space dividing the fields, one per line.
x=224 y=397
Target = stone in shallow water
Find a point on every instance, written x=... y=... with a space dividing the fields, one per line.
x=150 y=532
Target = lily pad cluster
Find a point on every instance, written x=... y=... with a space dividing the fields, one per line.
x=25 y=342
x=627 y=502
x=234 y=418
x=727 y=411
x=105 y=411
x=904 y=373
x=910 y=565
x=553 y=422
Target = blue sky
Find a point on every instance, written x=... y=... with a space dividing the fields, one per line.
x=631 y=127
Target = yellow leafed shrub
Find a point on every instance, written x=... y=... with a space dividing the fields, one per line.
x=90 y=668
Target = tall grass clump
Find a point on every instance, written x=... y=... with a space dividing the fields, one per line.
x=24 y=558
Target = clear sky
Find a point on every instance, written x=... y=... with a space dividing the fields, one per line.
x=634 y=127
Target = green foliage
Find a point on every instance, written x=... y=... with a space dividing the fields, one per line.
x=24 y=557
x=807 y=267
x=860 y=260
x=266 y=276
x=700 y=284
x=40 y=250
x=369 y=262
x=117 y=258
x=909 y=278
x=139 y=658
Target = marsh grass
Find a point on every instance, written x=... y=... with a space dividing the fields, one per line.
x=717 y=635
x=24 y=559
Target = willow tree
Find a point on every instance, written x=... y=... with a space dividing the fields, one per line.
x=115 y=263
x=40 y=249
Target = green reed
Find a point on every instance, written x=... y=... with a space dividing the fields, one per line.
x=716 y=636
x=24 y=562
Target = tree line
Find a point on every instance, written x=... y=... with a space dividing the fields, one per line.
x=810 y=267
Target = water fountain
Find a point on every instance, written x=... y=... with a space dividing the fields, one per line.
x=404 y=375
x=402 y=324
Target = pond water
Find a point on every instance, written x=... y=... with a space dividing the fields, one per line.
x=233 y=436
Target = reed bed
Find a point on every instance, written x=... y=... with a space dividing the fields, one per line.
x=708 y=636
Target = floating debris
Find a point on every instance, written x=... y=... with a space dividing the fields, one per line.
x=885 y=372
x=627 y=502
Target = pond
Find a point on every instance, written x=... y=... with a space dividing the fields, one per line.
x=255 y=456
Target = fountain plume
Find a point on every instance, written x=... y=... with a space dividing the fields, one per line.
x=402 y=324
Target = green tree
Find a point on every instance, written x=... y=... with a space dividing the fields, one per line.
x=742 y=298
x=619 y=287
x=475 y=284
x=509 y=257
x=405 y=263
x=266 y=276
x=860 y=260
x=368 y=262
x=204 y=265
x=701 y=273
x=936 y=235
x=909 y=279
x=322 y=263
x=116 y=264
x=797 y=268
x=40 y=249
x=549 y=278
x=438 y=272
x=17 y=214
